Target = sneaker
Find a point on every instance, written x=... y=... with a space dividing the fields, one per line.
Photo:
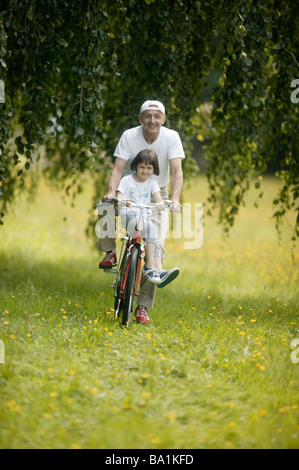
x=167 y=276
x=108 y=261
x=151 y=274
x=141 y=314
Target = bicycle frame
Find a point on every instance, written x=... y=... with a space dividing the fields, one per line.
x=123 y=269
x=124 y=262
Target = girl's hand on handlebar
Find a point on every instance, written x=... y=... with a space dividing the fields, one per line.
x=159 y=206
x=120 y=202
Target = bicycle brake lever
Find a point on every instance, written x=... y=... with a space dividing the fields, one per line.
x=112 y=200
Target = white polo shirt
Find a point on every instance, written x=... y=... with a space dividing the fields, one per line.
x=167 y=146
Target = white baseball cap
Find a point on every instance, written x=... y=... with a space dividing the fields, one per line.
x=152 y=104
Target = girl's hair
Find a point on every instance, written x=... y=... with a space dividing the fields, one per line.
x=146 y=156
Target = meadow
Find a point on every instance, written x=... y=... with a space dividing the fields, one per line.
x=215 y=369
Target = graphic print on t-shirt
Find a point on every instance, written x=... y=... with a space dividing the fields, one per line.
x=140 y=195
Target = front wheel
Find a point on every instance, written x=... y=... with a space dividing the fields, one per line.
x=130 y=288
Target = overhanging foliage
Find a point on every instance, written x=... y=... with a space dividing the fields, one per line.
x=76 y=72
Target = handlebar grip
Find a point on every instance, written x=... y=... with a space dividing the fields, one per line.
x=112 y=200
x=167 y=203
x=108 y=201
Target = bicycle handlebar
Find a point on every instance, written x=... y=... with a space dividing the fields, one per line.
x=167 y=203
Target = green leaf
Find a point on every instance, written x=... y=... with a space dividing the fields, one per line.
x=63 y=42
x=30 y=12
x=79 y=131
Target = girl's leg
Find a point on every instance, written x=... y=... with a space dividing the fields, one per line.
x=158 y=263
x=149 y=234
x=149 y=255
x=157 y=257
x=149 y=270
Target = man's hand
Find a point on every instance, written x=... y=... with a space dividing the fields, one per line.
x=176 y=207
x=108 y=196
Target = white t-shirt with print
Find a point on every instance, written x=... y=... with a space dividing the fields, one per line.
x=168 y=145
x=140 y=193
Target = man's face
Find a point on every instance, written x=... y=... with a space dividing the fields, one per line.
x=152 y=120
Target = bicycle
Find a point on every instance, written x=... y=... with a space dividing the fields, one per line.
x=128 y=271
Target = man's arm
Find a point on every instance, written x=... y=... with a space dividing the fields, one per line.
x=115 y=177
x=176 y=182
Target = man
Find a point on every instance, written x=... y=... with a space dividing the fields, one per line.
x=167 y=144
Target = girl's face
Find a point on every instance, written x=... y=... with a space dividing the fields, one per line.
x=144 y=171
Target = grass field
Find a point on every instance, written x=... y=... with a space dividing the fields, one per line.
x=214 y=369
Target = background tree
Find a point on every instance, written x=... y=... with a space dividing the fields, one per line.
x=76 y=72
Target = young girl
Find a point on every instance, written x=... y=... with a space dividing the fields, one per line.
x=139 y=187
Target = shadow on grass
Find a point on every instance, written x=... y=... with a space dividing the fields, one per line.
x=81 y=280
x=74 y=277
